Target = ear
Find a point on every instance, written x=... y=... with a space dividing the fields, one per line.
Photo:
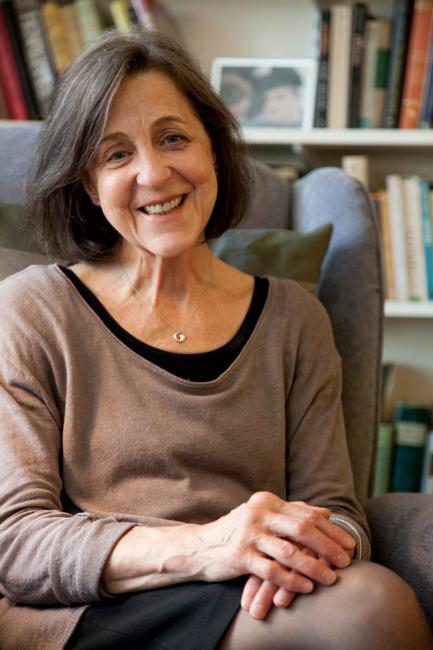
x=92 y=193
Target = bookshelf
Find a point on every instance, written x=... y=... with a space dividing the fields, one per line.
x=285 y=28
x=288 y=28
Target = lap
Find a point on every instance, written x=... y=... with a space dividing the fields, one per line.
x=191 y=615
x=368 y=607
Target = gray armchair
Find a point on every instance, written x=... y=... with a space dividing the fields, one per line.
x=351 y=290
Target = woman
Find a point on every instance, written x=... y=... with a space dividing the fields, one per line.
x=173 y=440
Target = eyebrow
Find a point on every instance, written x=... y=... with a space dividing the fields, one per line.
x=117 y=135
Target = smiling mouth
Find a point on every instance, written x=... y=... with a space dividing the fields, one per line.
x=163 y=208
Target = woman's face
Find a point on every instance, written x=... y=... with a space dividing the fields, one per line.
x=154 y=172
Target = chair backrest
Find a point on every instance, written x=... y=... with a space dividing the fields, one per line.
x=350 y=286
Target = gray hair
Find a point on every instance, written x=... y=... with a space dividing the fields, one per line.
x=66 y=222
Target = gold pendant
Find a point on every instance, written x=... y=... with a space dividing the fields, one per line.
x=179 y=337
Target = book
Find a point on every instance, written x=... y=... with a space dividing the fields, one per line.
x=4 y=113
x=35 y=51
x=411 y=426
x=374 y=73
x=339 y=62
x=397 y=380
x=145 y=14
x=394 y=185
x=89 y=20
x=382 y=208
x=9 y=75
x=416 y=264
x=401 y=21
x=427 y=232
x=427 y=99
x=121 y=15
x=415 y=72
x=72 y=26
x=426 y=484
x=357 y=167
x=384 y=454
x=17 y=49
x=321 y=102
x=57 y=35
x=356 y=60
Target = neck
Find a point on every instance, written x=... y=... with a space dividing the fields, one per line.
x=160 y=279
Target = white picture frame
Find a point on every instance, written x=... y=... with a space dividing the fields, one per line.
x=267 y=92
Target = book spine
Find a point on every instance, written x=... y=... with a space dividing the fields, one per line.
x=413 y=86
x=4 y=112
x=35 y=51
x=9 y=76
x=427 y=467
x=382 y=203
x=381 y=73
x=121 y=15
x=89 y=19
x=57 y=35
x=411 y=426
x=375 y=71
x=427 y=234
x=427 y=100
x=339 y=61
x=17 y=49
x=357 y=167
x=394 y=186
x=72 y=27
x=384 y=452
x=320 y=109
x=357 y=54
x=401 y=25
x=416 y=264
x=145 y=14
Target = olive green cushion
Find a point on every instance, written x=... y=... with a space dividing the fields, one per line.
x=279 y=253
x=14 y=232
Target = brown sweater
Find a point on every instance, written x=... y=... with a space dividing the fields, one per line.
x=94 y=438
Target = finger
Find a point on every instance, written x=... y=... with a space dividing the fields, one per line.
x=284 y=598
x=337 y=534
x=309 y=532
x=252 y=586
x=263 y=600
x=290 y=556
x=267 y=569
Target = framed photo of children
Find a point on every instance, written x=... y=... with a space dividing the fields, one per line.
x=267 y=92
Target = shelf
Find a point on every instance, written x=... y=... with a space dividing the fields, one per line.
x=339 y=137
x=394 y=309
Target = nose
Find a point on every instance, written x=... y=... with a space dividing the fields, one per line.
x=153 y=169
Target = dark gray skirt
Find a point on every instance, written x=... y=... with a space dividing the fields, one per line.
x=190 y=616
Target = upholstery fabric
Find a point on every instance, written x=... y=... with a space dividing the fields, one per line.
x=402 y=530
x=351 y=290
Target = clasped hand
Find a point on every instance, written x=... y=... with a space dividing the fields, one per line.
x=286 y=547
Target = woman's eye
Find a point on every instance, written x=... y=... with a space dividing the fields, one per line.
x=116 y=156
x=173 y=138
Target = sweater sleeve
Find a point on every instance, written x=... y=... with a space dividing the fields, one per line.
x=48 y=556
x=318 y=465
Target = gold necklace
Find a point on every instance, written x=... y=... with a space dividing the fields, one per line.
x=178 y=333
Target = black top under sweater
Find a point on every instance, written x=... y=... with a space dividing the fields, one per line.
x=203 y=366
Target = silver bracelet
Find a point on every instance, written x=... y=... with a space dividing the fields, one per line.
x=352 y=530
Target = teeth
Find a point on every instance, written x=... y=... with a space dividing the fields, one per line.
x=160 y=208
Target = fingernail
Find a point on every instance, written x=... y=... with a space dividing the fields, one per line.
x=343 y=560
x=256 y=611
x=306 y=587
x=329 y=577
x=245 y=603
